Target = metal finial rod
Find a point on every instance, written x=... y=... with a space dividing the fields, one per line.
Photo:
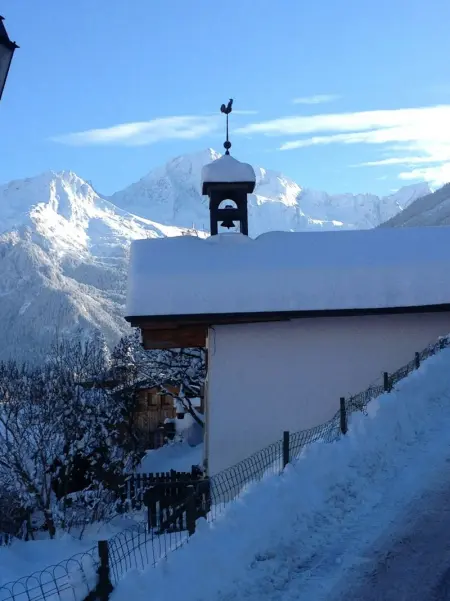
x=227 y=110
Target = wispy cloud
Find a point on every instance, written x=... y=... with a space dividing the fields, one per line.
x=316 y=99
x=418 y=137
x=141 y=133
x=408 y=160
x=438 y=175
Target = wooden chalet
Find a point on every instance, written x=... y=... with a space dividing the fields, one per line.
x=156 y=409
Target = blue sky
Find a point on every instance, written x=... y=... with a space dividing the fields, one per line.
x=326 y=90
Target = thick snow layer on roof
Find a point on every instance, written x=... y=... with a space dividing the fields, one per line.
x=287 y=271
x=228 y=169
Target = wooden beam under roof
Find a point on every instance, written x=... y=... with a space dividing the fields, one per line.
x=188 y=331
x=188 y=336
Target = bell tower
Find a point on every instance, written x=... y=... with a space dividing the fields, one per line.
x=227 y=182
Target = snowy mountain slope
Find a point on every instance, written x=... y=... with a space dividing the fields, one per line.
x=307 y=533
x=63 y=262
x=171 y=195
x=362 y=211
x=71 y=217
x=431 y=209
x=64 y=248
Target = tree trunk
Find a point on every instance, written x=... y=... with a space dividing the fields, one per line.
x=49 y=522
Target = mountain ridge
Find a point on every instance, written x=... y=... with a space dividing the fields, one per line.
x=431 y=210
x=64 y=247
x=171 y=193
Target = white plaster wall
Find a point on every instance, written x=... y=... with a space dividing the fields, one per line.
x=269 y=377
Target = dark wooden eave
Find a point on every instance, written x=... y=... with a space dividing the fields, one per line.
x=185 y=331
x=247 y=187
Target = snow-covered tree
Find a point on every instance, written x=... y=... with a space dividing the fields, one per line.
x=31 y=437
x=54 y=430
x=181 y=370
x=67 y=430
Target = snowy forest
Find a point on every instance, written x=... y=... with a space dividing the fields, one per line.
x=68 y=437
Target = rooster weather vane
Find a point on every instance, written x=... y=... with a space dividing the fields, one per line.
x=227 y=110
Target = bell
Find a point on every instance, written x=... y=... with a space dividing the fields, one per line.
x=228 y=223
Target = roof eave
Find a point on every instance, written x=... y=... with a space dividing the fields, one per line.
x=230 y=318
x=249 y=186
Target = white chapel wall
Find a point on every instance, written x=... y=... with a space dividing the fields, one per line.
x=269 y=377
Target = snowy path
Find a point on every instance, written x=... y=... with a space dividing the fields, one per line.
x=389 y=551
x=416 y=566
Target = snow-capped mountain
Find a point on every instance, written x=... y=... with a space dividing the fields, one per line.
x=431 y=209
x=172 y=195
x=63 y=257
x=64 y=248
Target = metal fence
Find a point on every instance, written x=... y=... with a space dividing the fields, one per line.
x=138 y=547
x=145 y=545
x=69 y=580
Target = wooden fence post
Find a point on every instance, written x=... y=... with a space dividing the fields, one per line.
x=417 y=360
x=205 y=485
x=285 y=448
x=104 y=587
x=386 y=383
x=150 y=500
x=343 y=415
x=132 y=491
x=190 y=509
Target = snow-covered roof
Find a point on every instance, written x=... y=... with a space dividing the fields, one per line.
x=288 y=272
x=228 y=169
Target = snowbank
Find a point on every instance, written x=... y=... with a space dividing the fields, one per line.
x=21 y=559
x=179 y=457
x=289 y=271
x=335 y=499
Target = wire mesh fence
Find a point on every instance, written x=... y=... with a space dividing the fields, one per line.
x=147 y=543
x=360 y=401
x=140 y=546
x=226 y=485
x=328 y=432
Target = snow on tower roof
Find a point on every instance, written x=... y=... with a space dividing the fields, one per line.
x=289 y=272
x=227 y=169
